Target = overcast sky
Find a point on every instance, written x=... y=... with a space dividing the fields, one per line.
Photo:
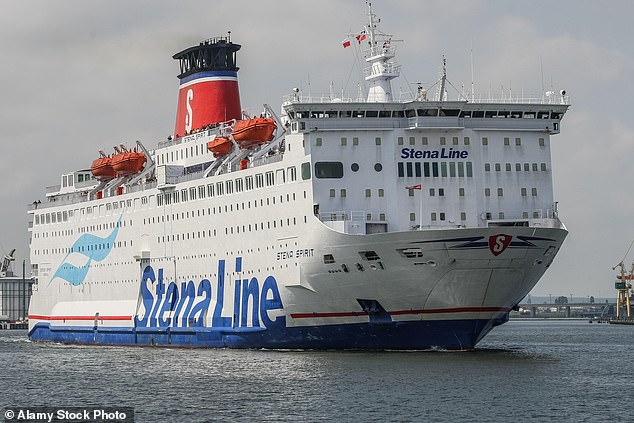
x=79 y=76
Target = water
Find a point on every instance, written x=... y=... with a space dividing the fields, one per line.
x=564 y=370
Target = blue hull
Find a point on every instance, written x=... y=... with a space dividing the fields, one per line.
x=411 y=335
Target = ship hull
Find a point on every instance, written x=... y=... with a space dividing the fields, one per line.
x=438 y=289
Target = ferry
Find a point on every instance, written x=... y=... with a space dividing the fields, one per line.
x=379 y=222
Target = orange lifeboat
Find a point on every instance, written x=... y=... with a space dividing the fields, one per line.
x=220 y=146
x=128 y=163
x=253 y=132
x=102 y=169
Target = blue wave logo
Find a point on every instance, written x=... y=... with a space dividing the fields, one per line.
x=90 y=247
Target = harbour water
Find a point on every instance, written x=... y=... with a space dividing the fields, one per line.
x=528 y=370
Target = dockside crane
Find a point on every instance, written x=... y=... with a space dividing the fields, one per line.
x=623 y=286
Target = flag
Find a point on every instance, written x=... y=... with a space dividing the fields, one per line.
x=361 y=36
x=346 y=43
x=419 y=186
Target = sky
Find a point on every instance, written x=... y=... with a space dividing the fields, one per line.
x=80 y=76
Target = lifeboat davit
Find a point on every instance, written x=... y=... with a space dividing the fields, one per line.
x=253 y=132
x=220 y=146
x=128 y=163
x=102 y=169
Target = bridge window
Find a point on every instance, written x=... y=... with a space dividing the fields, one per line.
x=328 y=170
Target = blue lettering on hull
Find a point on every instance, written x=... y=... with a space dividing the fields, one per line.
x=165 y=306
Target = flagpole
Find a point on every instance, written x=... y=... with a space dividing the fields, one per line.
x=420 y=227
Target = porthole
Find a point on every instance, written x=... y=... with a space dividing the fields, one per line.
x=378 y=167
x=354 y=167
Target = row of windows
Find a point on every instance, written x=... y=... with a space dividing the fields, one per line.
x=518 y=141
x=536 y=167
x=411 y=113
x=500 y=192
x=425 y=141
x=184 y=153
x=435 y=169
x=442 y=140
x=227 y=187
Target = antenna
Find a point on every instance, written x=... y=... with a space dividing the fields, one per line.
x=472 y=83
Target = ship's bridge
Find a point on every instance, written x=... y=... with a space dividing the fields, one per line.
x=393 y=166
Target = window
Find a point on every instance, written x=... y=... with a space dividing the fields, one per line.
x=442 y=216
x=210 y=190
x=219 y=188
x=452 y=169
x=500 y=192
x=400 y=167
x=461 y=169
x=543 y=167
x=343 y=193
x=497 y=167
x=523 y=192
x=432 y=192
x=410 y=192
x=318 y=142
x=455 y=140
x=355 y=167
x=507 y=167
x=248 y=182
x=412 y=217
x=441 y=192
x=487 y=167
x=355 y=140
x=259 y=180
x=292 y=174
x=270 y=178
x=466 y=141
x=192 y=193
x=518 y=167
x=487 y=192
x=433 y=216
x=239 y=185
x=534 y=192
x=527 y=167
x=332 y=192
x=434 y=169
x=305 y=171
x=279 y=176
x=443 y=169
x=378 y=167
x=485 y=141
x=201 y=191
x=535 y=168
x=229 y=187
x=368 y=193
x=328 y=170
x=463 y=216
x=381 y=192
x=518 y=141
x=184 y=195
x=443 y=141
x=507 y=141
x=412 y=141
x=541 y=142
x=344 y=141
x=461 y=192
x=377 y=140
x=425 y=141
